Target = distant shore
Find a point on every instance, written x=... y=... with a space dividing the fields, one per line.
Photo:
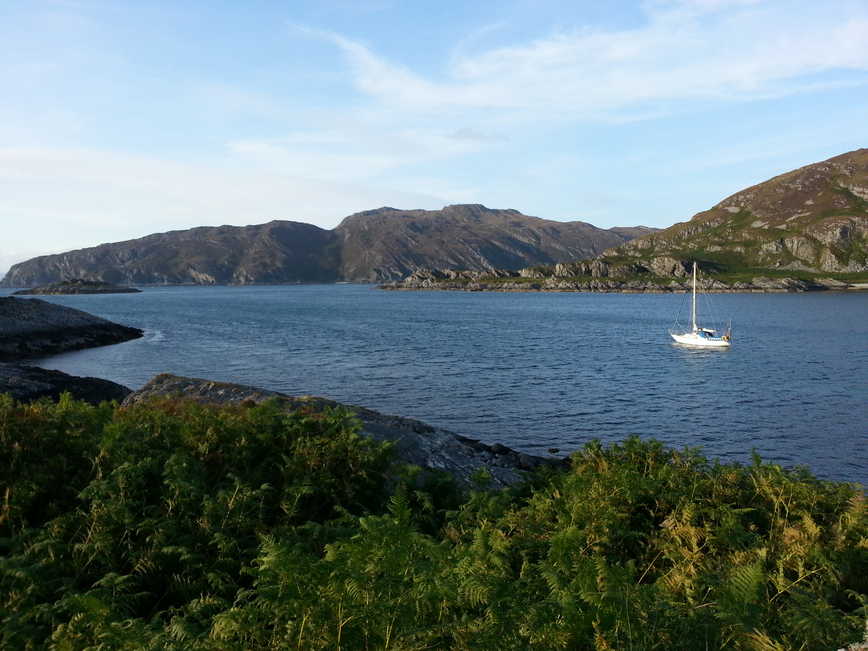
x=77 y=286
x=604 y=286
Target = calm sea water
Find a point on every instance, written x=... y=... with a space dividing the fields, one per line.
x=531 y=371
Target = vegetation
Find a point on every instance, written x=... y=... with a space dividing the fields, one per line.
x=170 y=525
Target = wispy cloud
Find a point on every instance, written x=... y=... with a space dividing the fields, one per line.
x=475 y=135
x=686 y=50
x=315 y=130
x=92 y=196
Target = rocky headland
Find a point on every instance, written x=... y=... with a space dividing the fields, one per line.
x=33 y=328
x=415 y=442
x=26 y=383
x=77 y=286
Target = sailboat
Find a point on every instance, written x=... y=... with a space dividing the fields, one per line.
x=698 y=336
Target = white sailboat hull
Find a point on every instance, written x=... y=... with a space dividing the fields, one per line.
x=698 y=336
x=697 y=339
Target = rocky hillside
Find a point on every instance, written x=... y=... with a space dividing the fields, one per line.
x=388 y=244
x=376 y=245
x=812 y=219
x=278 y=251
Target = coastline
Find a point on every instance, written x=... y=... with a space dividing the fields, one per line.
x=603 y=278
x=531 y=288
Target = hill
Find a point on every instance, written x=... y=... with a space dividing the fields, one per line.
x=812 y=219
x=376 y=245
x=387 y=244
x=803 y=230
x=278 y=251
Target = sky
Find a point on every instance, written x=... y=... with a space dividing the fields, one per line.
x=119 y=119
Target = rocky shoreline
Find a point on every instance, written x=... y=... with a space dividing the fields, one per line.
x=77 y=286
x=415 y=442
x=35 y=328
x=32 y=327
x=600 y=277
x=27 y=383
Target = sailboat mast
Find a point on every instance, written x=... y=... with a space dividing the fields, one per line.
x=693 y=311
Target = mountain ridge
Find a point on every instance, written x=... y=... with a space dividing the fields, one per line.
x=370 y=246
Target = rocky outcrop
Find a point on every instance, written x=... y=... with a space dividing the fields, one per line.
x=26 y=383
x=77 y=286
x=33 y=327
x=415 y=442
x=601 y=277
x=371 y=246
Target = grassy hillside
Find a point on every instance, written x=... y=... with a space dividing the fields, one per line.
x=813 y=219
x=169 y=525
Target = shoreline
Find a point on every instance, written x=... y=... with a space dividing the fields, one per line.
x=528 y=290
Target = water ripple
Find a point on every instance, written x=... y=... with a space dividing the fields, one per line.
x=529 y=371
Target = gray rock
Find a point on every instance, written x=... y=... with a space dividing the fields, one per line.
x=415 y=442
x=667 y=266
x=33 y=327
x=26 y=383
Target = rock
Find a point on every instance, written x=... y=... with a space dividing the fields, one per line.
x=570 y=269
x=832 y=283
x=26 y=383
x=533 y=272
x=78 y=286
x=781 y=284
x=415 y=442
x=666 y=266
x=33 y=327
x=598 y=269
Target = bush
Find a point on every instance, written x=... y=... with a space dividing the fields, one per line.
x=173 y=525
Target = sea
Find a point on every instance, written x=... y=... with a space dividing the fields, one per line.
x=543 y=373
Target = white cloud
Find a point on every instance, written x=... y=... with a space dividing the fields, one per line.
x=687 y=50
x=81 y=198
x=361 y=148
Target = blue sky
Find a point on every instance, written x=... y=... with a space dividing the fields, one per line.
x=121 y=119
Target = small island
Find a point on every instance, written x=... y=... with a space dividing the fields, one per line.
x=78 y=286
